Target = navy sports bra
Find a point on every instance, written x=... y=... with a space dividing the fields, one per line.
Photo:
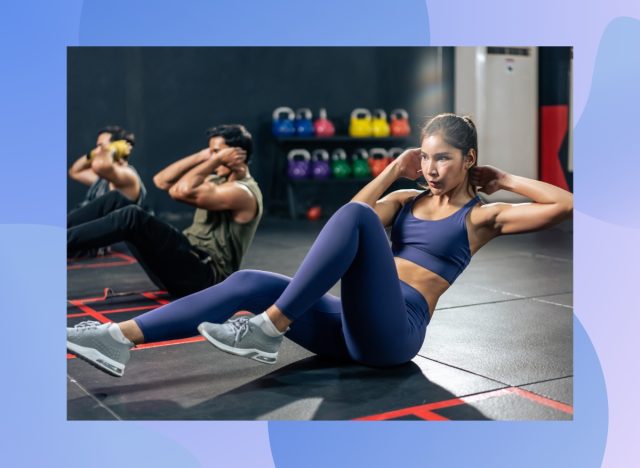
x=441 y=246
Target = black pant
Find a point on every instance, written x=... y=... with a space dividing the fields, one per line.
x=164 y=252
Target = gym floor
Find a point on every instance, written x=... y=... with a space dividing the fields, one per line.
x=499 y=346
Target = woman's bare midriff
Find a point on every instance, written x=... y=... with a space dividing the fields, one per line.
x=430 y=285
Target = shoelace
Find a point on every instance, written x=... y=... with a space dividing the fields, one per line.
x=240 y=327
x=87 y=324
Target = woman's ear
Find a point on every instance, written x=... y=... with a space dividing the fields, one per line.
x=470 y=159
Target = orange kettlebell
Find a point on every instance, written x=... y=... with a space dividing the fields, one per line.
x=378 y=160
x=314 y=213
x=400 y=123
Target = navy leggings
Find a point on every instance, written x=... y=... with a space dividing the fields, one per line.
x=378 y=321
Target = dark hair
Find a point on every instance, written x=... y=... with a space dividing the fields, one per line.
x=234 y=135
x=119 y=133
x=458 y=131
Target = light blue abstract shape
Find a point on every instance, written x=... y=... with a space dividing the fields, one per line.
x=33 y=390
x=256 y=23
x=607 y=147
x=479 y=444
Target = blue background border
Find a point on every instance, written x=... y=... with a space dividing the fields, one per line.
x=35 y=35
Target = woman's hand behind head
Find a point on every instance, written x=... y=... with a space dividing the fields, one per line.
x=408 y=164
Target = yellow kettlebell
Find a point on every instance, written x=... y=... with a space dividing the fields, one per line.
x=360 y=124
x=121 y=149
x=379 y=124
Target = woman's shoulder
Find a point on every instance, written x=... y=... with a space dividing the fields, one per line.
x=405 y=195
x=483 y=213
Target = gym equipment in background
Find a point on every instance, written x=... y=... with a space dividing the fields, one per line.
x=379 y=124
x=299 y=166
x=283 y=126
x=378 y=160
x=360 y=123
x=340 y=168
x=323 y=126
x=303 y=122
x=359 y=162
x=320 y=167
x=400 y=123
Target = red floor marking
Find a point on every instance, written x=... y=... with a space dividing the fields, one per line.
x=431 y=416
x=160 y=344
x=115 y=311
x=153 y=297
x=425 y=411
x=90 y=312
x=124 y=260
x=104 y=297
x=124 y=256
x=542 y=400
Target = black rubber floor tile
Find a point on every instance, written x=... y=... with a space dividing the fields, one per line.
x=87 y=283
x=522 y=275
x=505 y=407
x=556 y=242
x=465 y=293
x=515 y=342
x=195 y=381
x=558 y=299
x=81 y=406
x=559 y=390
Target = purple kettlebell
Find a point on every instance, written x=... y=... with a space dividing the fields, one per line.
x=320 y=168
x=299 y=164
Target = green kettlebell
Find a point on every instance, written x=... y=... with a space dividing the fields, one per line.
x=360 y=164
x=340 y=168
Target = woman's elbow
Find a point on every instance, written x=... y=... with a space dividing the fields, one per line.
x=568 y=206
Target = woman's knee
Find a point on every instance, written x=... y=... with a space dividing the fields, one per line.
x=358 y=211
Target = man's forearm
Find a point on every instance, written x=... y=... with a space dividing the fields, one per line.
x=174 y=172
x=197 y=174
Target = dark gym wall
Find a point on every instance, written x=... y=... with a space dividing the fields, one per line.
x=169 y=96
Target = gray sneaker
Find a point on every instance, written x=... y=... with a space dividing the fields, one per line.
x=242 y=337
x=92 y=342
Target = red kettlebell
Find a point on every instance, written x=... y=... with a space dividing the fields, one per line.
x=378 y=160
x=314 y=213
x=323 y=126
x=400 y=123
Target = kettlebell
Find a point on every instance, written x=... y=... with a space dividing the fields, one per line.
x=378 y=160
x=379 y=124
x=360 y=164
x=320 y=168
x=393 y=153
x=323 y=126
x=299 y=164
x=314 y=212
x=303 y=123
x=360 y=123
x=400 y=123
x=283 y=126
x=340 y=168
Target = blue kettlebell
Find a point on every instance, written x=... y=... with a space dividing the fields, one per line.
x=283 y=126
x=303 y=123
x=299 y=164
x=320 y=168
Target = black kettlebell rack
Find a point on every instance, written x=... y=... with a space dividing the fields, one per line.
x=300 y=194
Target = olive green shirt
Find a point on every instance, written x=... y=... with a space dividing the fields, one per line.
x=217 y=234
